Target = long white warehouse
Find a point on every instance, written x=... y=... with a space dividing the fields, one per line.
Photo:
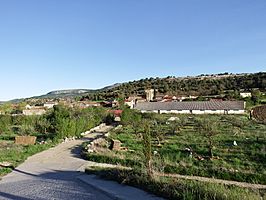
x=194 y=107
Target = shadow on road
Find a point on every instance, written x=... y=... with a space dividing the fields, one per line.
x=55 y=184
x=10 y=196
x=50 y=185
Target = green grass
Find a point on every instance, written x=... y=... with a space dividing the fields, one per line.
x=16 y=154
x=245 y=162
x=172 y=188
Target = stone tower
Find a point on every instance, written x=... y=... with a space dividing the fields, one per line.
x=149 y=94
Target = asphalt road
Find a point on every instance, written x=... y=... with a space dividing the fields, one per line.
x=52 y=175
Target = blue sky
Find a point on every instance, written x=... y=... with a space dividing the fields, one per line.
x=61 y=44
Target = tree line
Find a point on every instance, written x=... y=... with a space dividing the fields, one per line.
x=200 y=86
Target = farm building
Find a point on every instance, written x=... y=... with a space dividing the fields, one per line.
x=194 y=107
x=34 y=111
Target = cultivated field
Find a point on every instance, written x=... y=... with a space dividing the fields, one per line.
x=180 y=146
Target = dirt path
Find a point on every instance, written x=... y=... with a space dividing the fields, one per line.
x=58 y=173
x=51 y=174
x=213 y=180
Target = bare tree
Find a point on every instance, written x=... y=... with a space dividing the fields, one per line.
x=208 y=128
x=147 y=148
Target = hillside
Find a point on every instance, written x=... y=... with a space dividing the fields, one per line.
x=71 y=93
x=202 y=85
x=66 y=93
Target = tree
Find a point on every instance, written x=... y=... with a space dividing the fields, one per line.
x=20 y=107
x=5 y=124
x=237 y=124
x=6 y=108
x=208 y=128
x=158 y=132
x=256 y=96
x=131 y=118
x=177 y=125
x=147 y=148
x=42 y=125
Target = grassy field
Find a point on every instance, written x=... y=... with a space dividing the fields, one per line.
x=239 y=149
x=171 y=188
x=16 y=154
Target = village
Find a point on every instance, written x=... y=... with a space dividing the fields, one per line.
x=151 y=101
x=132 y=100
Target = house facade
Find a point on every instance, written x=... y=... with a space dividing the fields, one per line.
x=193 y=107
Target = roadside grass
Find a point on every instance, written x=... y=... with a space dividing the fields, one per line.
x=16 y=154
x=172 y=188
x=244 y=162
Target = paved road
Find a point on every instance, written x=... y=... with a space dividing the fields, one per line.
x=52 y=175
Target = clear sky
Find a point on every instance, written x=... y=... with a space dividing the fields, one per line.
x=62 y=44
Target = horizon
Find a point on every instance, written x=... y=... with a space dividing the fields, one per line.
x=48 y=46
x=192 y=76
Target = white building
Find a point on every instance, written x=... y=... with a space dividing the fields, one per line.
x=34 y=111
x=194 y=107
x=245 y=94
x=49 y=105
x=130 y=103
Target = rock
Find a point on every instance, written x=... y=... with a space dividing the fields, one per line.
x=85 y=133
x=200 y=158
x=116 y=145
x=6 y=164
x=90 y=151
x=171 y=119
x=102 y=125
x=117 y=119
x=66 y=140
x=118 y=127
x=43 y=142
x=188 y=149
x=100 y=142
x=123 y=149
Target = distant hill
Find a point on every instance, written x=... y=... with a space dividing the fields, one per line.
x=111 y=86
x=74 y=92
x=71 y=93
x=202 y=85
x=65 y=93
